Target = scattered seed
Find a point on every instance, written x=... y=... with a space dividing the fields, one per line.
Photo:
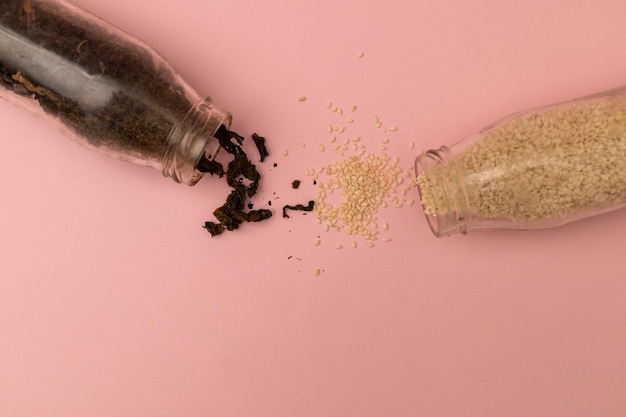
x=330 y=129
x=385 y=226
x=360 y=55
x=285 y=152
x=353 y=109
x=386 y=140
x=369 y=244
x=393 y=129
x=317 y=243
x=386 y=239
x=322 y=148
x=301 y=144
x=349 y=120
x=412 y=145
x=338 y=246
x=302 y=98
x=317 y=272
x=329 y=104
x=354 y=244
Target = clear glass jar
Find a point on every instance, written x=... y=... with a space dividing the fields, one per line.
x=537 y=169
x=104 y=89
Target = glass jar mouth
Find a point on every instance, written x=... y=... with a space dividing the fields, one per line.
x=192 y=139
x=442 y=196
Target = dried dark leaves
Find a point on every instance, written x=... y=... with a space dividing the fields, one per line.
x=259 y=141
x=298 y=207
x=231 y=215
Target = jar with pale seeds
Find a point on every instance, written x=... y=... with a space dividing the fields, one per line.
x=533 y=170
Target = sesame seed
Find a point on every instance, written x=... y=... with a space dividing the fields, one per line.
x=356 y=139
x=354 y=244
x=330 y=128
x=317 y=242
x=385 y=226
x=376 y=120
x=302 y=98
x=386 y=140
x=317 y=272
x=322 y=148
x=301 y=144
x=285 y=152
x=338 y=246
x=360 y=55
x=412 y=145
x=333 y=139
x=329 y=104
x=393 y=129
x=354 y=108
x=349 y=120
x=369 y=244
x=386 y=239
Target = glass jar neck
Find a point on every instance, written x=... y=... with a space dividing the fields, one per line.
x=442 y=192
x=192 y=138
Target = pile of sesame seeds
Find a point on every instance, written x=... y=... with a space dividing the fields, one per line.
x=352 y=189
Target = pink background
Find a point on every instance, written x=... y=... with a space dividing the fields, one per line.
x=115 y=302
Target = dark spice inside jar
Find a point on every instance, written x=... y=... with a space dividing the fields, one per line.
x=104 y=89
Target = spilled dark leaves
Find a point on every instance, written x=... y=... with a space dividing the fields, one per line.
x=231 y=215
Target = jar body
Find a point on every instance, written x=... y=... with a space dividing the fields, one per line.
x=537 y=169
x=103 y=88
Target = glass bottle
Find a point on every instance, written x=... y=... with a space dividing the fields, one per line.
x=105 y=89
x=536 y=169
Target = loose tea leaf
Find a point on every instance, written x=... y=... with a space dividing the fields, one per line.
x=225 y=138
x=211 y=166
x=214 y=229
x=259 y=141
x=298 y=207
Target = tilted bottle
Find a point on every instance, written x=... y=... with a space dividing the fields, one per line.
x=536 y=169
x=105 y=89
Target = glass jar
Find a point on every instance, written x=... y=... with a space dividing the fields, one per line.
x=536 y=169
x=105 y=89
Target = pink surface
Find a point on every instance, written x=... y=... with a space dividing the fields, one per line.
x=115 y=302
